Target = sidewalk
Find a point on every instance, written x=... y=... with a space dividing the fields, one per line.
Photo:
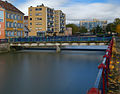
x=114 y=76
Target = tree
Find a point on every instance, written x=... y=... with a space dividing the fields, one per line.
x=98 y=29
x=83 y=29
x=111 y=27
x=93 y=31
x=116 y=21
x=74 y=27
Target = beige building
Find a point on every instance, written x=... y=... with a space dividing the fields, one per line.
x=43 y=21
x=59 y=23
x=68 y=31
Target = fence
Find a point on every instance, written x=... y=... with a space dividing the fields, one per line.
x=60 y=39
x=3 y=41
x=101 y=82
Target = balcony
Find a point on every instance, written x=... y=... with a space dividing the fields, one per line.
x=61 y=31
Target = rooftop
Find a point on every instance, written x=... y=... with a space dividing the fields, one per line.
x=8 y=6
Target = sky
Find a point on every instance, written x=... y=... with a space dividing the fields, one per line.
x=77 y=9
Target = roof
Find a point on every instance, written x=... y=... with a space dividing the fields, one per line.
x=9 y=6
x=25 y=17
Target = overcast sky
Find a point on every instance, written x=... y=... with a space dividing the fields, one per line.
x=77 y=9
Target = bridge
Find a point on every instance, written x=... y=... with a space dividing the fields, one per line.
x=57 y=42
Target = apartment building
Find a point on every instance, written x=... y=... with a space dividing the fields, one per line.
x=59 y=22
x=90 y=24
x=11 y=21
x=26 y=21
x=42 y=21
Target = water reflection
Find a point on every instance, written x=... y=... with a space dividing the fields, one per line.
x=33 y=72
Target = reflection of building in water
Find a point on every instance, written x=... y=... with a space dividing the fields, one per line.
x=90 y=24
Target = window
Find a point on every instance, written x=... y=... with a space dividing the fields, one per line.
x=30 y=14
x=37 y=28
x=38 y=9
x=38 y=23
x=8 y=24
x=21 y=18
x=15 y=17
x=15 y=24
x=8 y=15
x=0 y=33
x=38 y=18
x=38 y=14
x=40 y=28
x=30 y=18
x=21 y=25
x=11 y=24
x=11 y=16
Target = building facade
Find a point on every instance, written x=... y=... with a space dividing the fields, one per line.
x=11 y=21
x=68 y=31
x=42 y=21
x=59 y=22
x=26 y=30
x=90 y=24
x=26 y=21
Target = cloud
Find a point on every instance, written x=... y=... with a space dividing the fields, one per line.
x=74 y=10
x=50 y=3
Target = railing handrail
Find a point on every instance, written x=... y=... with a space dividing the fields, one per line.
x=96 y=85
x=56 y=39
x=102 y=77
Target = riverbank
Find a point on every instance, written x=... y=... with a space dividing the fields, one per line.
x=114 y=76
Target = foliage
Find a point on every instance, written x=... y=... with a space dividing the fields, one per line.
x=97 y=30
x=83 y=29
x=113 y=27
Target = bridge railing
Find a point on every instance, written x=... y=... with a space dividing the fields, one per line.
x=59 y=39
x=3 y=41
x=101 y=83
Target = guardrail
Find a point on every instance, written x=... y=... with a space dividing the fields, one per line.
x=59 y=39
x=101 y=82
x=3 y=41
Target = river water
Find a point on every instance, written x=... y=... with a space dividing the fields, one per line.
x=37 y=72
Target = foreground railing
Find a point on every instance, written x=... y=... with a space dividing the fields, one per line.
x=101 y=82
x=59 y=39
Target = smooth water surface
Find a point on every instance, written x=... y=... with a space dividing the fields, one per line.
x=35 y=72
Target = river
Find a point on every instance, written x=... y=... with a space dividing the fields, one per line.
x=38 y=72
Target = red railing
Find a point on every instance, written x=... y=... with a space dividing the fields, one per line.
x=101 y=83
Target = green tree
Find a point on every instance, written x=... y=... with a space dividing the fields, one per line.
x=83 y=29
x=111 y=27
x=116 y=21
x=93 y=31
x=74 y=27
x=98 y=29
